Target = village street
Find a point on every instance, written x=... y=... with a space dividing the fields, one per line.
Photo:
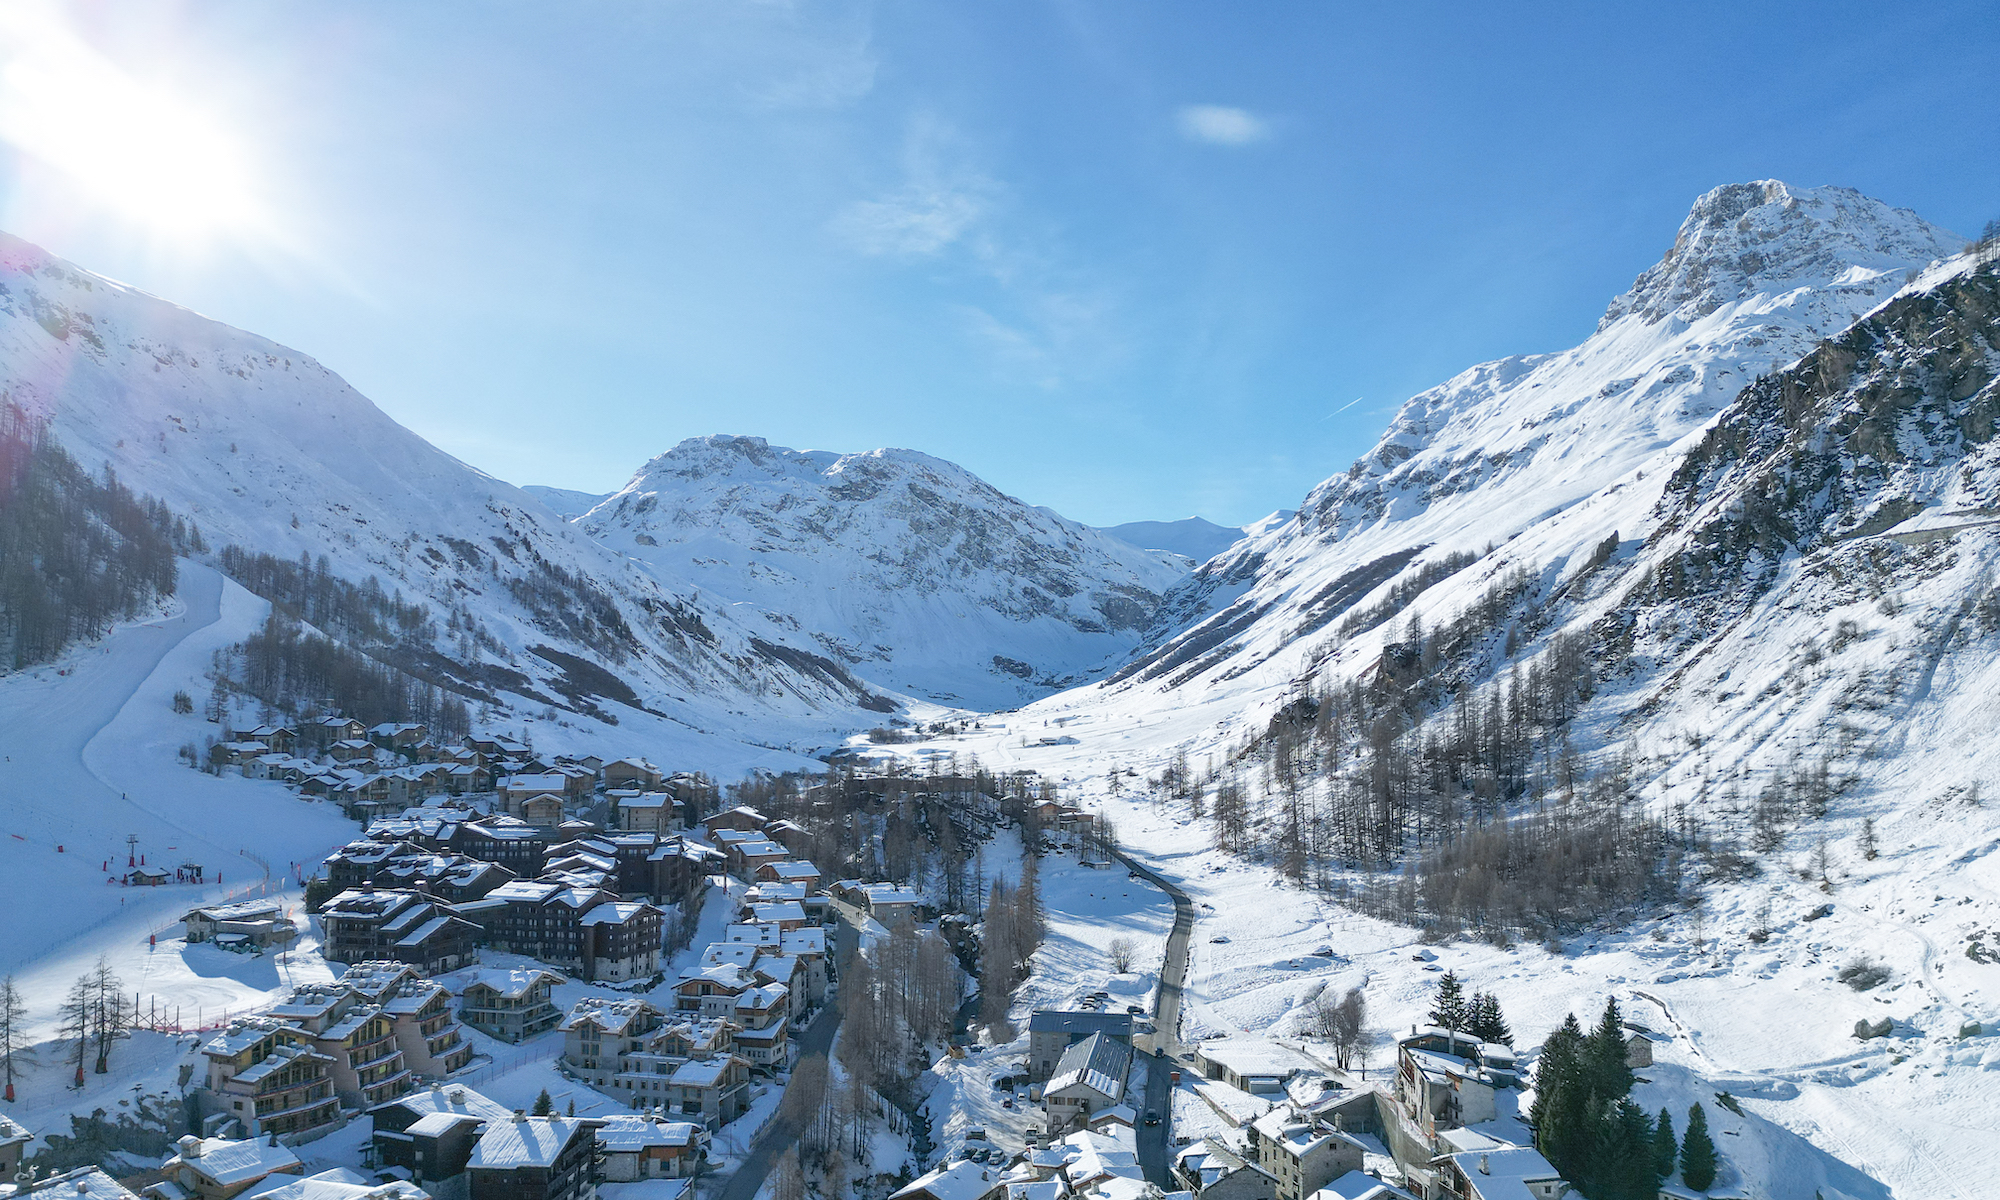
x=1156 y=1141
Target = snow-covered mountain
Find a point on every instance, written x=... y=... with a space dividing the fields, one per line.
x=1757 y=515
x=266 y=449
x=916 y=574
x=1192 y=537
x=1548 y=454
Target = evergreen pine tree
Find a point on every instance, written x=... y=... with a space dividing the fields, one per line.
x=544 y=1104
x=1484 y=1020
x=1448 y=1006
x=1604 y=1057
x=1626 y=1173
x=1697 y=1151
x=1561 y=1111
x=1665 y=1146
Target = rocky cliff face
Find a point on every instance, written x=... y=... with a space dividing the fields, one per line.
x=909 y=569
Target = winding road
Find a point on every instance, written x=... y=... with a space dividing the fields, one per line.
x=1167 y=1054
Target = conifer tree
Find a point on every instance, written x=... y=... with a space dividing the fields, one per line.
x=13 y=1018
x=1665 y=1145
x=1484 y=1020
x=1604 y=1057
x=545 y=1104
x=1448 y=1006
x=1697 y=1151
x=1624 y=1170
x=1561 y=1112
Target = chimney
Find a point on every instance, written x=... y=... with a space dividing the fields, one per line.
x=520 y=1116
x=273 y=1139
x=190 y=1146
x=1485 y=1166
x=458 y=1095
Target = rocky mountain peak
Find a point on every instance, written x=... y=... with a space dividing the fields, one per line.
x=1766 y=236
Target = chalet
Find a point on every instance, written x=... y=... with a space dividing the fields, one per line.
x=511 y=1005
x=632 y=773
x=762 y=1019
x=237 y=754
x=357 y=1037
x=395 y=736
x=506 y=840
x=220 y=1169
x=515 y=789
x=1213 y=1171
x=1512 y=1173
x=327 y=730
x=893 y=905
x=248 y=924
x=1255 y=1065
x=281 y=739
x=964 y=1180
x=1088 y=1077
x=350 y=749
x=339 y=1183
x=649 y=812
x=787 y=916
x=282 y=768
x=714 y=1090
x=581 y=781
x=789 y=834
x=534 y=1158
x=363 y=924
x=1050 y=1032
x=1639 y=1044
x=267 y=1075
x=632 y=1147
x=14 y=1138
x=587 y=930
x=741 y=819
x=431 y=1132
x=1359 y=1185
x=788 y=871
x=81 y=1183
x=1301 y=1153
x=543 y=811
x=420 y=1013
x=1446 y=1079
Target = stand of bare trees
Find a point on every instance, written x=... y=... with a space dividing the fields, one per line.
x=94 y=1015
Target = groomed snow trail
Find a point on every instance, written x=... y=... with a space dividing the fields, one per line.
x=87 y=757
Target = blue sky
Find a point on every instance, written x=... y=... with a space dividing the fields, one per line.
x=1131 y=261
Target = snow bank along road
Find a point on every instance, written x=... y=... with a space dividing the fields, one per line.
x=88 y=756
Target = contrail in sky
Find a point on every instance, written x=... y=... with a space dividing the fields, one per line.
x=1343 y=408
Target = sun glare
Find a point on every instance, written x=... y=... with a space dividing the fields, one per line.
x=122 y=145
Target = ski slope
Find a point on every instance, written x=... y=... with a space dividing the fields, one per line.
x=89 y=758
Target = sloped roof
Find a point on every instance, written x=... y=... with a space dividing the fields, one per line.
x=1097 y=1062
x=528 y=1142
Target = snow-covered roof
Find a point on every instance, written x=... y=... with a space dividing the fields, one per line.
x=231 y=1162
x=456 y=1099
x=631 y=1132
x=1258 y=1057
x=1505 y=1174
x=1098 y=1063
x=616 y=1017
x=83 y=1183
x=954 y=1181
x=438 y=1124
x=702 y=1072
x=524 y=1142
x=512 y=983
x=788 y=910
x=1049 y=1020
x=337 y=1184
x=242 y=910
x=1359 y=1185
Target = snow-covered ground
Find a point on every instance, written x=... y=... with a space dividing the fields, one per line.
x=87 y=757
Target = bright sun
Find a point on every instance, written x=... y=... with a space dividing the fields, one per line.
x=125 y=147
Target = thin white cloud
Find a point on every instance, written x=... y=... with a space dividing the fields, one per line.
x=939 y=203
x=1220 y=125
x=912 y=222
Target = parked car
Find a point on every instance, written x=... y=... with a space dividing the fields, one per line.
x=1218 y=939
x=1137 y=1010
x=1152 y=1118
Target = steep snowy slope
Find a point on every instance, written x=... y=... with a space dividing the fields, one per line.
x=1557 y=450
x=914 y=572
x=266 y=449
